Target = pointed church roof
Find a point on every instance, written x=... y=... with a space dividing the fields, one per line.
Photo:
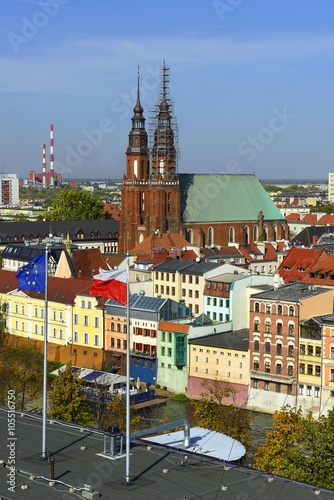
x=225 y=198
x=160 y=240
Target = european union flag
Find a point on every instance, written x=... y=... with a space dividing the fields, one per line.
x=32 y=276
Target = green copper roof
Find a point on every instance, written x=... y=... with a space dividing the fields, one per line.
x=224 y=197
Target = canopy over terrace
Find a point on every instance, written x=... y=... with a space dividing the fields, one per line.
x=98 y=377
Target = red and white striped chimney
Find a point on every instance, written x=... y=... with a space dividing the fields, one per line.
x=51 y=157
x=44 y=167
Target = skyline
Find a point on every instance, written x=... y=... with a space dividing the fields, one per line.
x=250 y=81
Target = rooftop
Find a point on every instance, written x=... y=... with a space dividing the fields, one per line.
x=238 y=340
x=158 y=472
x=292 y=292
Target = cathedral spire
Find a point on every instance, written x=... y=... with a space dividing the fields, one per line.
x=138 y=109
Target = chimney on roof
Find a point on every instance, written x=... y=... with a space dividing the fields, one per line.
x=276 y=280
x=314 y=240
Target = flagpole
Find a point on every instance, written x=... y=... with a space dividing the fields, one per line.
x=44 y=452
x=127 y=464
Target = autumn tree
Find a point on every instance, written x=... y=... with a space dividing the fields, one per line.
x=74 y=204
x=299 y=447
x=116 y=414
x=21 y=370
x=67 y=400
x=216 y=412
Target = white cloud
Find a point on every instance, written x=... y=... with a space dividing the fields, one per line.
x=93 y=62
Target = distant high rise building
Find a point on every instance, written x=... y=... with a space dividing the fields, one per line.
x=9 y=189
x=331 y=187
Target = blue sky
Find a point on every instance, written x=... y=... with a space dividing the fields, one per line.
x=251 y=81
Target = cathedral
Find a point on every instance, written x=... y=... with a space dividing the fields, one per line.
x=206 y=209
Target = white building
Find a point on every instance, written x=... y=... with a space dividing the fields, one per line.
x=9 y=189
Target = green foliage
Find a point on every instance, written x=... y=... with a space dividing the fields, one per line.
x=327 y=208
x=179 y=397
x=214 y=412
x=164 y=388
x=116 y=415
x=68 y=401
x=73 y=204
x=21 y=370
x=157 y=386
x=299 y=447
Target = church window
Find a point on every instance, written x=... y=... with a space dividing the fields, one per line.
x=168 y=203
x=255 y=235
x=135 y=168
x=231 y=238
x=246 y=235
x=143 y=201
x=189 y=236
x=210 y=236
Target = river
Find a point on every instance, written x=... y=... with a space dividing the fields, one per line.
x=176 y=410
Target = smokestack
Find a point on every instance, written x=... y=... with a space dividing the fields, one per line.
x=51 y=157
x=44 y=167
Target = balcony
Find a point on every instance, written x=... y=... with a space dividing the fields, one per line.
x=271 y=377
x=143 y=354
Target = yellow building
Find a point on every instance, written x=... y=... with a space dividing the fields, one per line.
x=222 y=357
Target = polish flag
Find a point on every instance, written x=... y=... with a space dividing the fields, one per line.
x=111 y=285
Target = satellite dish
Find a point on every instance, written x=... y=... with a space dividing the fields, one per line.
x=198 y=259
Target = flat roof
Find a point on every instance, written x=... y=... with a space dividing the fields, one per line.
x=157 y=472
x=238 y=340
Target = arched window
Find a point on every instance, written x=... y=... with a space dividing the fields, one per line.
x=255 y=233
x=210 y=236
x=168 y=203
x=141 y=237
x=135 y=168
x=189 y=236
x=257 y=307
x=265 y=233
x=246 y=235
x=231 y=236
x=291 y=311
x=143 y=200
x=279 y=310
x=274 y=233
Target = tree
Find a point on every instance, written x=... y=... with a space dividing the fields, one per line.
x=73 y=204
x=116 y=415
x=68 y=401
x=214 y=412
x=299 y=447
x=21 y=370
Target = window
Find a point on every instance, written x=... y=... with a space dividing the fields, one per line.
x=257 y=307
x=278 y=368
x=256 y=384
x=291 y=311
x=278 y=387
x=302 y=349
x=268 y=326
x=190 y=293
x=16 y=325
x=163 y=337
x=16 y=308
x=317 y=371
x=85 y=338
x=309 y=369
x=136 y=361
x=183 y=292
x=266 y=386
x=156 y=288
x=256 y=345
x=173 y=290
x=279 y=349
x=332 y=375
x=118 y=344
x=256 y=365
x=124 y=344
x=75 y=319
x=290 y=390
x=96 y=322
x=163 y=350
x=317 y=392
x=85 y=320
x=96 y=340
x=301 y=389
x=42 y=313
x=318 y=352
x=169 y=352
x=279 y=310
x=279 y=328
x=291 y=330
x=267 y=346
x=60 y=315
x=60 y=334
x=310 y=350
x=268 y=308
x=118 y=328
x=302 y=368
x=183 y=278
x=54 y=315
x=42 y=330
x=36 y=312
x=167 y=290
x=36 y=329
x=75 y=336
x=266 y=367
x=308 y=390
x=162 y=290
x=256 y=325
x=89 y=304
x=112 y=327
x=169 y=337
x=229 y=363
x=22 y=309
x=290 y=351
x=290 y=371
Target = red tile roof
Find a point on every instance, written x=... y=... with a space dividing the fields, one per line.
x=293 y=217
x=173 y=327
x=87 y=262
x=60 y=290
x=111 y=211
x=160 y=240
x=298 y=262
